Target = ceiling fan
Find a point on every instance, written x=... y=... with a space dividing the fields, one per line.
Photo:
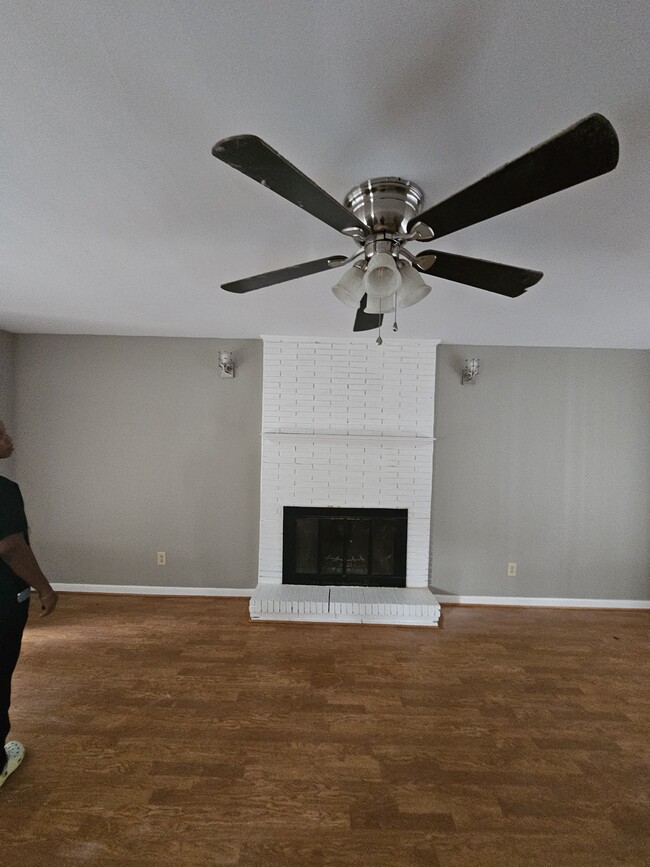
x=382 y=214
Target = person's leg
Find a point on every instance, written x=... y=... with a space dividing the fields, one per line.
x=13 y=616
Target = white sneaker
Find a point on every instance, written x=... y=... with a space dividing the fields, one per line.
x=15 y=754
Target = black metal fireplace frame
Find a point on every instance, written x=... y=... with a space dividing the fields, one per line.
x=291 y=576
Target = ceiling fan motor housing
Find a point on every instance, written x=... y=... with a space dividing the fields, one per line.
x=385 y=204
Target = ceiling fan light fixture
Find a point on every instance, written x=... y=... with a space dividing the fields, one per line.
x=413 y=288
x=350 y=289
x=382 y=277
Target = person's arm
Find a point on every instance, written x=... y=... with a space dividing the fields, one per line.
x=17 y=554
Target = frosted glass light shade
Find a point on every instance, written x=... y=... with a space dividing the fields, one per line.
x=350 y=289
x=382 y=276
x=380 y=305
x=413 y=288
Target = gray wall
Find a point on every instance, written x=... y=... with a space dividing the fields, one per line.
x=133 y=445
x=7 y=390
x=545 y=461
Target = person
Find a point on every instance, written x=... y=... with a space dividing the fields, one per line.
x=19 y=571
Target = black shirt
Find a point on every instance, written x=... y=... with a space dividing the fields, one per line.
x=12 y=521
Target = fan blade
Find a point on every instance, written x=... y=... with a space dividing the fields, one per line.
x=282 y=274
x=492 y=276
x=583 y=151
x=252 y=156
x=366 y=321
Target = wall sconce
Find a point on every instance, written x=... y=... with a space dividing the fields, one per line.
x=226 y=365
x=470 y=371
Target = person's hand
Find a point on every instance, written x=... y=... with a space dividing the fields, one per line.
x=48 y=601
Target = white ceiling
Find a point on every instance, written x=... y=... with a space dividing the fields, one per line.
x=116 y=218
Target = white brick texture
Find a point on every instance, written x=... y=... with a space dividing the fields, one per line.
x=347 y=423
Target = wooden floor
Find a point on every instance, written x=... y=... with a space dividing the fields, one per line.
x=168 y=731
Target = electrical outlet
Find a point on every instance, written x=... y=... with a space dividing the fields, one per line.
x=512 y=570
x=161 y=558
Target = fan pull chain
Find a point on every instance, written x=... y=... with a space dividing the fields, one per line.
x=379 y=340
x=395 y=322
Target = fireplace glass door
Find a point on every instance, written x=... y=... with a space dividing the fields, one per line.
x=355 y=547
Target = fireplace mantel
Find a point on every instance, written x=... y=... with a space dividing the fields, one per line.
x=351 y=439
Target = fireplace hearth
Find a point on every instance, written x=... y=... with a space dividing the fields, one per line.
x=344 y=547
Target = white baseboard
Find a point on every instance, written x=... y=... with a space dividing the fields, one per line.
x=145 y=590
x=542 y=602
x=443 y=599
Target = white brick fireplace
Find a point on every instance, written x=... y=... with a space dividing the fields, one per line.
x=346 y=423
